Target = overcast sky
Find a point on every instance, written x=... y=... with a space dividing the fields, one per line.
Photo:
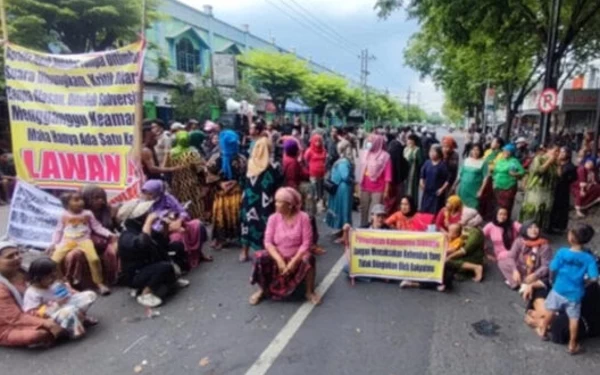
x=333 y=32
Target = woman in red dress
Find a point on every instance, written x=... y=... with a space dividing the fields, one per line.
x=586 y=189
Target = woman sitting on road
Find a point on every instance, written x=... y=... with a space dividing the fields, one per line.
x=502 y=232
x=407 y=218
x=144 y=252
x=470 y=257
x=531 y=256
x=181 y=228
x=456 y=213
x=17 y=328
x=287 y=260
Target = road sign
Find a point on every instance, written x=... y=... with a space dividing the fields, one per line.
x=548 y=100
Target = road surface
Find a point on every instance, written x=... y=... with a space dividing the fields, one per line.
x=371 y=328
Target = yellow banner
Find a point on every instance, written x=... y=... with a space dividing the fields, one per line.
x=397 y=255
x=72 y=117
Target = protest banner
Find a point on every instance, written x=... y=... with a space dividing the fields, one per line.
x=73 y=116
x=33 y=216
x=397 y=255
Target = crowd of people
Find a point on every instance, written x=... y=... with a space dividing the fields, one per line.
x=264 y=191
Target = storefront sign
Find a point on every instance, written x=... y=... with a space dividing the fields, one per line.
x=73 y=116
x=397 y=255
x=580 y=100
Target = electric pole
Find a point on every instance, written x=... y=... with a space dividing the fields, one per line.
x=364 y=75
x=549 y=76
x=408 y=94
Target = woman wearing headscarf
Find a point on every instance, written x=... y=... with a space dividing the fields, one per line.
x=18 y=328
x=400 y=170
x=230 y=167
x=491 y=156
x=262 y=181
x=451 y=158
x=506 y=174
x=185 y=181
x=75 y=265
x=286 y=261
x=502 y=232
x=339 y=210
x=434 y=181
x=316 y=158
x=182 y=228
x=531 y=255
x=456 y=213
x=294 y=173
x=586 y=189
x=413 y=156
x=375 y=175
x=539 y=190
x=469 y=258
x=471 y=178
x=197 y=138
x=567 y=175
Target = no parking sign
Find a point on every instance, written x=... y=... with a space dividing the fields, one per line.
x=548 y=100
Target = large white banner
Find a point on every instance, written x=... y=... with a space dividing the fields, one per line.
x=33 y=216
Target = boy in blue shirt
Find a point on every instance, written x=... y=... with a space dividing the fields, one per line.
x=569 y=268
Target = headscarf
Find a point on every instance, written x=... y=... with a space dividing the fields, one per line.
x=508 y=236
x=164 y=203
x=455 y=204
x=510 y=148
x=182 y=144
x=229 y=145
x=290 y=196
x=88 y=192
x=449 y=141
x=317 y=149
x=344 y=150
x=196 y=139
x=531 y=242
x=209 y=126
x=374 y=161
x=291 y=148
x=4 y=281
x=259 y=158
x=589 y=158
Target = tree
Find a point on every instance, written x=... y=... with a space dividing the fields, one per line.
x=245 y=91
x=78 y=26
x=321 y=90
x=189 y=102
x=352 y=98
x=453 y=114
x=515 y=34
x=281 y=75
x=434 y=119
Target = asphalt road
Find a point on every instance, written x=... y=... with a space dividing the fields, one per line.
x=371 y=328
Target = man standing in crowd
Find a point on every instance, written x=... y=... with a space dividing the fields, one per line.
x=163 y=140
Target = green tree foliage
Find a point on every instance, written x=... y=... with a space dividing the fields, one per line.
x=352 y=98
x=434 y=119
x=77 y=25
x=245 y=91
x=452 y=113
x=281 y=75
x=189 y=102
x=323 y=89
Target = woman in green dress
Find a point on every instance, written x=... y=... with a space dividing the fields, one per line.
x=412 y=154
x=539 y=192
x=471 y=178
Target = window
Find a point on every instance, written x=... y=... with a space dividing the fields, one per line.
x=188 y=58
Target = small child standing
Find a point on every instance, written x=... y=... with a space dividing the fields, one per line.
x=46 y=297
x=571 y=268
x=74 y=232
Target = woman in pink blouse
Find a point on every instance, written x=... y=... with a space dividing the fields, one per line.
x=287 y=261
x=502 y=232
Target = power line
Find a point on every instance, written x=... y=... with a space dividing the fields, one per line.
x=333 y=42
x=325 y=25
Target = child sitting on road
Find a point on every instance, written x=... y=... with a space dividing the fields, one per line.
x=571 y=268
x=46 y=297
x=456 y=241
x=74 y=231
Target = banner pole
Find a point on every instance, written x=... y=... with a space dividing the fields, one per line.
x=3 y=20
x=139 y=109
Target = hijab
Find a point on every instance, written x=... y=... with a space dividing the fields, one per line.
x=4 y=281
x=196 y=139
x=374 y=160
x=316 y=145
x=229 y=144
x=290 y=196
x=508 y=236
x=104 y=216
x=510 y=148
x=182 y=144
x=344 y=150
x=449 y=141
x=529 y=241
x=400 y=167
x=455 y=204
x=259 y=158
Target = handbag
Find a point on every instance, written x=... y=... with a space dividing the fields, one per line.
x=329 y=186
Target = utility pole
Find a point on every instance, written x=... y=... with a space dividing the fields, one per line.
x=408 y=94
x=364 y=75
x=550 y=73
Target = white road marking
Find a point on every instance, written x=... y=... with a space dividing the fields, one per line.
x=270 y=354
x=135 y=343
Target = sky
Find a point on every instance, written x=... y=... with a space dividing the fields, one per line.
x=332 y=33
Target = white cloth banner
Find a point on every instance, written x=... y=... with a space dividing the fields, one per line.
x=33 y=216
